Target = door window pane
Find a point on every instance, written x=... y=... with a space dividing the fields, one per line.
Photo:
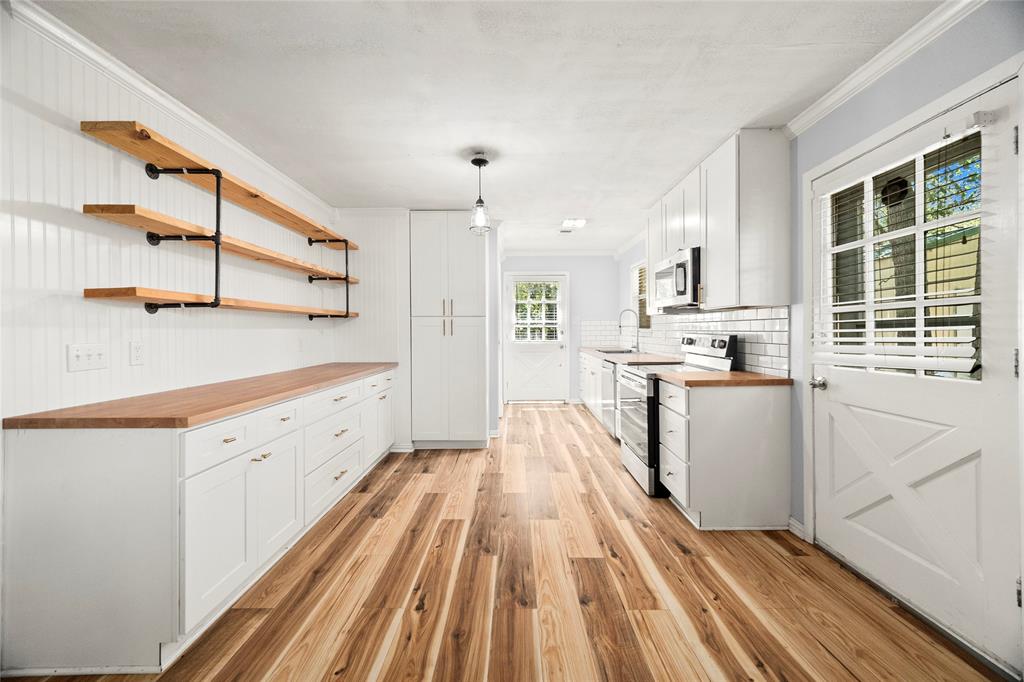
x=893 y=193
x=894 y=269
x=848 y=276
x=952 y=178
x=952 y=260
x=848 y=215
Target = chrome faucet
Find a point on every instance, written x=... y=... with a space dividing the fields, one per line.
x=636 y=345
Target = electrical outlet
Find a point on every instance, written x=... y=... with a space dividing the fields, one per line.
x=136 y=353
x=86 y=356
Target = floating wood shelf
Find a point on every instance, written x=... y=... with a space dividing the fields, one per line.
x=146 y=220
x=148 y=145
x=146 y=295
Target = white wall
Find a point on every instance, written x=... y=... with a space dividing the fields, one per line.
x=985 y=38
x=49 y=251
x=593 y=294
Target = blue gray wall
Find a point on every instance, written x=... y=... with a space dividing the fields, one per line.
x=985 y=38
x=593 y=294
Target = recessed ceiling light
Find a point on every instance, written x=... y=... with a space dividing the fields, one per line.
x=574 y=223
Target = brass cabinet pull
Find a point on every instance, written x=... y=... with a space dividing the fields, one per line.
x=230 y=439
x=341 y=433
x=340 y=398
x=284 y=419
x=383 y=397
x=262 y=457
x=373 y=385
x=343 y=472
x=388 y=379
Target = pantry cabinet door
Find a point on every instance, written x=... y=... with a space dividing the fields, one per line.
x=720 y=258
x=428 y=244
x=467 y=379
x=430 y=378
x=218 y=537
x=277 y=485
x=467 y=268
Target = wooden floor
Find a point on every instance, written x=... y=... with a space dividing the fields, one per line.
x=541 y=558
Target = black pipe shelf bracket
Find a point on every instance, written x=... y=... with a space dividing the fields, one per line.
x=154 y=172
x=314 y=278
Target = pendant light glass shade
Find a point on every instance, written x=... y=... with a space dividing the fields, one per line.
x=479 y=220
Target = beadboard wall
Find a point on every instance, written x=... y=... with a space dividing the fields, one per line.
x=54 y=79
x=763 y=335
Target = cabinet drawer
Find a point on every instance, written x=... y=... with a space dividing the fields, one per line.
x=330 y=435
x=673 y=432
x=326 y=484
x=216 y=443
x=378 y=382
x=335 y=399
x=674 y=397
x=675 y=475
x=273 y=422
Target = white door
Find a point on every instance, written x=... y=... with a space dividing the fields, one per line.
x=428 y=245
x=467 y=268
x=720 y=256
x=467 y=378
x=536 y=337
x=430 y=378
x=218 y=541
x=277 y=484
x=915 y=325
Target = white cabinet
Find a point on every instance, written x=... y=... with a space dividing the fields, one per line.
x=691 y=218
x=590 y=383
x=385 y=421
x=449 y=374
x=724 y=477
x=277 y=486
x=674 y=223
x=219 y=540
x=449 y=332
x=746 y=221
x=378 y=427
x=448 y=265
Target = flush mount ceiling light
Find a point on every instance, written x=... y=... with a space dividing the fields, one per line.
x=573 y=223
x=479 y=222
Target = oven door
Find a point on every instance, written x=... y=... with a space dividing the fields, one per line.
x=632 y=407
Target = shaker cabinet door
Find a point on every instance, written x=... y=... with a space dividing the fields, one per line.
x=277 y=485
x=720 y=256
x=467 y=268
x=430 y=378
x=428 y=244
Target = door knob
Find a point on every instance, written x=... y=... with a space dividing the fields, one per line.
x=818 y=382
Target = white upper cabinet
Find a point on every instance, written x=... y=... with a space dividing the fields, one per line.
x=691 y=231
x=720 y=257
x=674 y=225
x=448 y=265
x=746 y=192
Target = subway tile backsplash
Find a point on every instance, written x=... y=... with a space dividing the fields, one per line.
x=763 y=335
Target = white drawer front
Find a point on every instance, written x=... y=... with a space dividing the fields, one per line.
x=378 y=382
x=335 y=399
x=330 y=435
x=675 y=475
x=326 y=484
x=210 y=445
x=674 y=397
x=273 y=422
x=672 y=432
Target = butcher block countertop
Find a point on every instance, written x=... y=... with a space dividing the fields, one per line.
x=632 y=358
x=704 y=379
x=186 y=407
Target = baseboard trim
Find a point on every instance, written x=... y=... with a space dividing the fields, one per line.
x=797 y=529
x=402 y=447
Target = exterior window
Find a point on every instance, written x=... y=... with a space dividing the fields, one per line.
x=638 y=291
x=904 y=266
x=537 y=311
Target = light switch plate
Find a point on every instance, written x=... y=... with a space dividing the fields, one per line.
x=136 y=353
x=86 y=356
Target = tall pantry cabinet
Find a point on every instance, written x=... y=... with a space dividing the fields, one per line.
x=449 y=330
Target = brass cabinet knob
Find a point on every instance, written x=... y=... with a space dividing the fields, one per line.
x=341 y=433
x=343 y=472
x=230 y=439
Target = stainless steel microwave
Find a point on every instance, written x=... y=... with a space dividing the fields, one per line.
x=677 y=280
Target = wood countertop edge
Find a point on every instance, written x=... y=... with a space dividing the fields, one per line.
x=185 y=421
x=722 y=379
x=633 y=358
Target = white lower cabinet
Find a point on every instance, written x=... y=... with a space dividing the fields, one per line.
x=330 y=481
x=219 y=537
x=277 y=486
x=725 y=454
x=385 y=421
x=449 y=379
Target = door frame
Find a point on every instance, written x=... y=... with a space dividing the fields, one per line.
x=507 y=278
x=999 y=75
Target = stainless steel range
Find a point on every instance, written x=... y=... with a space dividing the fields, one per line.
x=637 y=402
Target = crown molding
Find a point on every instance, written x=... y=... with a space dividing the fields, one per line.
x=53 y=29
x=916 y=37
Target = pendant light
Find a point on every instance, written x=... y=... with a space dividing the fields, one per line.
x=479 y=221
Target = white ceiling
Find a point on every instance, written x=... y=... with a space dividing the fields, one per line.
x=589 y=109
